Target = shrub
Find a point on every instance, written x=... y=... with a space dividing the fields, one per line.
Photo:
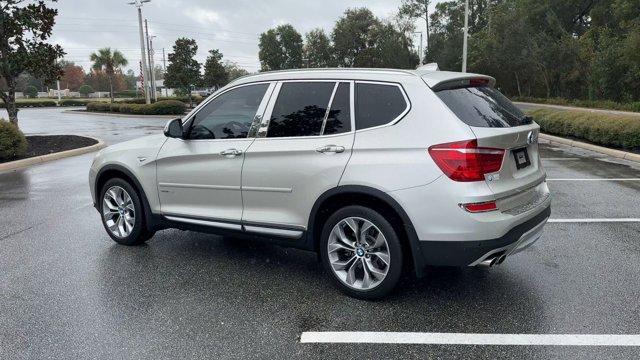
x=37 y=103
x=31 y=91
x=85 y=90
x=13 y=144
x=620 y=131
x=165 y=107
x=72 y=102
x=127 y=94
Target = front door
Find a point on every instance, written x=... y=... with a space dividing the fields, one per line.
x=301 y=151
x=199 y=176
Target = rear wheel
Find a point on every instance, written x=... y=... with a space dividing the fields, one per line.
x=362 y=252
x=122 y=213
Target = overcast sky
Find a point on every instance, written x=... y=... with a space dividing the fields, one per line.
x=233 y=26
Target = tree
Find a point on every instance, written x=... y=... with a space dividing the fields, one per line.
x=317 y=49
x=280 y=48
x=233 y=71
x=362 y=40
x=109 y=62
x=31 y=92
x=183 y=72
x=130 y=79
x=23 y=34
x=417 y=9
x=85 y=90
x=352 y=36
x=215 y=75
x=73 y=76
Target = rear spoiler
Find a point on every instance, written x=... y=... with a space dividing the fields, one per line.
x=437 y=83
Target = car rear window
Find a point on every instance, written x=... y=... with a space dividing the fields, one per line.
x=483 y=107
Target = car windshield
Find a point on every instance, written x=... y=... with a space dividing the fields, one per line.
x=483 y=106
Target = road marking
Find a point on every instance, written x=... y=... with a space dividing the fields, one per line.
x=596 y=220
x=596 y=179
x=561 y=159
x=366 y=337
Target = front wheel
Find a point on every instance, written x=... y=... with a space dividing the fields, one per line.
x=122 y=214
x=361 y=251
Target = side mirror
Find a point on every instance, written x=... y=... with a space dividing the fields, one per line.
x=173 y=129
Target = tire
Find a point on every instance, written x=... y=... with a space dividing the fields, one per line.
x=345 y=260
x=128 y=232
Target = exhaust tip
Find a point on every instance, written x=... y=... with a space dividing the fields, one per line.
x=492 y=260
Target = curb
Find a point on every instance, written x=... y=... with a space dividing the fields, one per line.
x=582 y=145
x=13 y=165
x=578 y=108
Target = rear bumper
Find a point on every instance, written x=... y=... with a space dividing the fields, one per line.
x=470 y=253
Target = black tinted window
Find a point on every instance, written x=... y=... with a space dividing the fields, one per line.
x=377 y=104
x=300 y=109
x=229 y=115
x=483 y=107
x=339 y=119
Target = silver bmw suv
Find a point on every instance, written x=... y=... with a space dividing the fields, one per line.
x=377 y=170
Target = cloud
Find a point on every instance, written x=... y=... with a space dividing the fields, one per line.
x=204 y=16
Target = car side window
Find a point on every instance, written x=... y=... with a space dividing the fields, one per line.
x=300 y=109
x=229 y=115
x=339 y=119
x=378 y=104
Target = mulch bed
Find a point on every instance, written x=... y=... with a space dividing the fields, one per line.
x=48 y=144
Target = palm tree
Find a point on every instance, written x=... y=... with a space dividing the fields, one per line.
x=108 y=61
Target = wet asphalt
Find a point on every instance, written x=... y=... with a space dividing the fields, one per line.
x=68 y=291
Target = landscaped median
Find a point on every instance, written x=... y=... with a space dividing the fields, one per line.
x=615 y=131
x=164 y=107
x=17 y=150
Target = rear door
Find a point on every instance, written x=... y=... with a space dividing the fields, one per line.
x=301 y=151
x=498 y=123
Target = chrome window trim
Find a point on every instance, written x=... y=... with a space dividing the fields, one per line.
x=397 y=118
x=326 y=113
x=267 y=95
x=262 y=132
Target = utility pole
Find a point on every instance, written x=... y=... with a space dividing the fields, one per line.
x=152 y=53
x=421 y=54
x=426 y=18
x=152 y=79
x=145 y=74
x=466 y=34
x=164 y=68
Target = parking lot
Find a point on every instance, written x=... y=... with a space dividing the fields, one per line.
x=68 y=291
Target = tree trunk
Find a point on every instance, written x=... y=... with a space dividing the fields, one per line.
x=111 y=89
x=518 y=84
x=10 y=102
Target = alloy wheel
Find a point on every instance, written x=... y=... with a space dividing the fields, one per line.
x=118 y=211
x=358 y=253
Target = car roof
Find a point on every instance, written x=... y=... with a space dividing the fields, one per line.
x=431 y=77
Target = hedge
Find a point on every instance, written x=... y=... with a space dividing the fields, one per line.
x=618 y=131
x=165 y=107
x=73 y=102
x=196 y=100
x=34 y=103
x=594 y=104
x=13 y=144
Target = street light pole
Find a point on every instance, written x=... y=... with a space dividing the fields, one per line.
x=145 y=73
x=152 y=53
x=466 y=34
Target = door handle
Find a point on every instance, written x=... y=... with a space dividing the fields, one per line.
x=330 y=149
x=231 y=152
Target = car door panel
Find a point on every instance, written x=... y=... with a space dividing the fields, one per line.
x=283 y=176
x=200 y=177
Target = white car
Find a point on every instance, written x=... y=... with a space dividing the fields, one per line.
x=373 y=169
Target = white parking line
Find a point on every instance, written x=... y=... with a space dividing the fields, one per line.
x=595 y=220
x=365 y=337
x=595 y=179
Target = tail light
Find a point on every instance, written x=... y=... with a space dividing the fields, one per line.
x=465 y=161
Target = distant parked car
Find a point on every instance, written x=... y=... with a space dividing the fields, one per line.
x=372 y=169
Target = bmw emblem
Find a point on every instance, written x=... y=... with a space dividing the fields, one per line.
x=360 y=252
